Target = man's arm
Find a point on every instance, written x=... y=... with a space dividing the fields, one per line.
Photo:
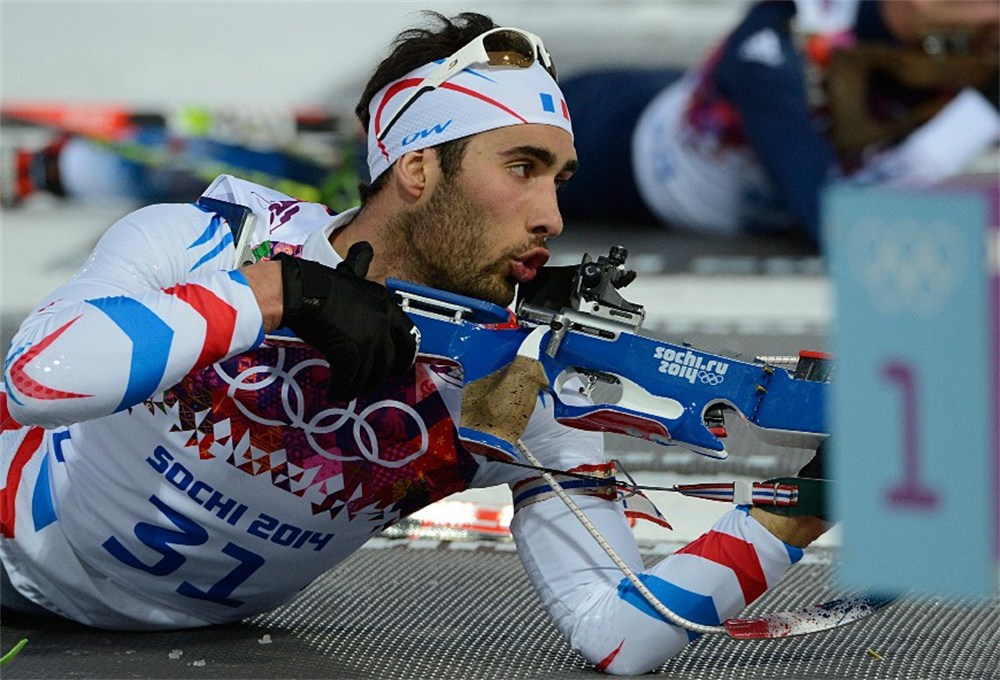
x=760 y=73
x=264 y=279
x=602 y=614
x=591 y=600
x=156 y=300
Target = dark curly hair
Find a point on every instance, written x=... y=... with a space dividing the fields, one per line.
x=410 y=49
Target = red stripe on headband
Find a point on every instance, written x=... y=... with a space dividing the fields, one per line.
x=390 y=93
x=396 y=88
x=477 y=95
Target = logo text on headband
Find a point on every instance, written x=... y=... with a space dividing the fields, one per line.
x=426 y=132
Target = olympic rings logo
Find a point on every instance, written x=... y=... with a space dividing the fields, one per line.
x=710 y=378
x=908 y=267
x=325 y=421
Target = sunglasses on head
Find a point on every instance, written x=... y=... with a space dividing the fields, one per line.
x=510 y=47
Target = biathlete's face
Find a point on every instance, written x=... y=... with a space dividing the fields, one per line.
x=485 y=231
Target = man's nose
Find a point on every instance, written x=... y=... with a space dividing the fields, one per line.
x=548 y=221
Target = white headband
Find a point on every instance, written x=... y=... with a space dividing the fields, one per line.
x=474 y=100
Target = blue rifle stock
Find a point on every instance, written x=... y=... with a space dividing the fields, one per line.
x=666 y=393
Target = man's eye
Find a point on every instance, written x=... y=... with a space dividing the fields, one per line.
x=521 y=169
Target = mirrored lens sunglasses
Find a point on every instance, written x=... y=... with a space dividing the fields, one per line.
x=499 y=47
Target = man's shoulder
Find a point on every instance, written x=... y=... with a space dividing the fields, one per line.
x=242 y=192
x=278 y=216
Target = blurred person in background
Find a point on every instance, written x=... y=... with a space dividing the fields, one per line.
x=799 y=94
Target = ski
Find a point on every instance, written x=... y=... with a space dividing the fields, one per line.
x=812 y=619
x=112 y=121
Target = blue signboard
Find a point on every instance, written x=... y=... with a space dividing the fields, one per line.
x=913 y=408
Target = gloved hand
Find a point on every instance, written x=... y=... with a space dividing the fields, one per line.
x=355 y=323
x=816 y=467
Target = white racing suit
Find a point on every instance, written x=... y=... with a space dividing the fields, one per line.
x=165 y=466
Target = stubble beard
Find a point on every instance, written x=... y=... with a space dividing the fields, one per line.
x=445 y=244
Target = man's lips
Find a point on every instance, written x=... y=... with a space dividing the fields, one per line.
x=525 y=267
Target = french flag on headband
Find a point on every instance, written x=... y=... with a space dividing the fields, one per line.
x=549 y=104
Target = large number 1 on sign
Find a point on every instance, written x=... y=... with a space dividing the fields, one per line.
x=910 y=492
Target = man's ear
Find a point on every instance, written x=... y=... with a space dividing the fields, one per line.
x=415 y=173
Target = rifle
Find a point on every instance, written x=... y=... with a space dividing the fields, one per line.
x=573 y=322
x=576 y=324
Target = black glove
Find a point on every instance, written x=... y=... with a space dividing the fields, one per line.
x=355 y=323
x=816 y=467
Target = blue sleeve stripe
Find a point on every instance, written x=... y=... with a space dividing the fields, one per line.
x=210 y=231
x=151 y=340
x=794 y=554
x=57 y=441
x=43 y=510
x=210 y=234
x=693 y=606
x=227 y=240
x=8 y=388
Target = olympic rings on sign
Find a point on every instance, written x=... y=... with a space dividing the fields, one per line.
x=909 y=267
